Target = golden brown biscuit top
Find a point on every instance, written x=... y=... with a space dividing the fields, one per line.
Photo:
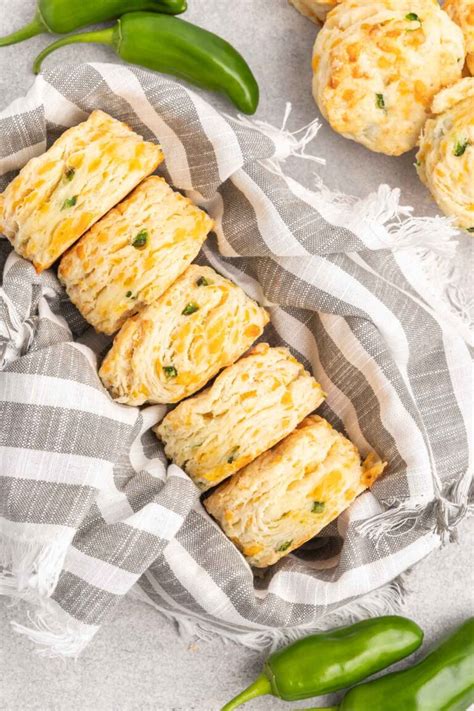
x=57 y=196
x=292 y=491
x=131 y=256
x=378 y=64
x=250 y=406
x=445 y=161
x=462 y=12
x=200 y=325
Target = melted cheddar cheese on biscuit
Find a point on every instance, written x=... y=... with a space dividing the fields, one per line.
x=462 y=12
x=315 y=10
x=172 y=348
x=129 y=258
x=59 y=195
x=377 y=66
x=288 y=494
x=250 y=407
x=445 y=161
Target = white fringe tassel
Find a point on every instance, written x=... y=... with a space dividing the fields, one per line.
x=441 y=515
x=54 y=632
x=29 y=568
x=382 y=223
x=287 y=143
x=29 y=572
x=388 y=599
x=427 y=244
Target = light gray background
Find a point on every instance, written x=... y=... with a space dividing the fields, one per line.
x=138 y=661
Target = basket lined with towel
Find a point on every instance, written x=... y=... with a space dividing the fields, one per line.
x=91 y=509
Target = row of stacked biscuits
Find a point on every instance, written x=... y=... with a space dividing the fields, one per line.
x=389 y=75
x=126 y=241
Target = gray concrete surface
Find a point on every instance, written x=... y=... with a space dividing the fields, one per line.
x=138 y=661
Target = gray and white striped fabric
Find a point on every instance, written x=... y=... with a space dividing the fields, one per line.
x=89 y=506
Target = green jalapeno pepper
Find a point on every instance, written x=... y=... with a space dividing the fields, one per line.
x=442 y=681
x=63 y=16
x=172 y=46
x=329 y=661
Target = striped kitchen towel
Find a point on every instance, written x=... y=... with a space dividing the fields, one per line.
x=90 y=508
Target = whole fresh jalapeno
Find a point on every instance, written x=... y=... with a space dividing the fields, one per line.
x=63 y=16
x=330 y=661
x=173 y=46
x=442 y=681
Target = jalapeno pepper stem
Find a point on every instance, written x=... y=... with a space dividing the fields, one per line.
x=260 y=687
x=100 y=36
x=36 y=27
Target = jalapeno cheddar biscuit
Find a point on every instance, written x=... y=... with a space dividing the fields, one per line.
x=445 y=161
x=59 y=195
x=377 y=66
x=288 y=494
x=129 y=258
x=250 y=406
x=462 y=12
x=315 y=10
x=172 y=348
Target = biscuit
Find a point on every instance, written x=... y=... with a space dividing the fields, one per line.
x=59 y=195
x=445 y=160
x=130 y=257
x=462 y=12
x=250 y=407
x=315 y=10
x=288 y=494
x=172 y=348
x=377 y=66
